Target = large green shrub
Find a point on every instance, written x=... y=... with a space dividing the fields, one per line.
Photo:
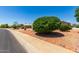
x=65 y=26
x=46 y=24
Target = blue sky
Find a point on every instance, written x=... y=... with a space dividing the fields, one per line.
x=27 y=14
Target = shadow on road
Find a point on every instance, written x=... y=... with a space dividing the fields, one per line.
x=52 y=34
x=15 y=46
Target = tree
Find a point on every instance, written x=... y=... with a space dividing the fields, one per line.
x=4 y=26
x=15 y=24
x=20 y=25
x=24 y=27
x=46 y=24
x=28 y=26
x=77 y=14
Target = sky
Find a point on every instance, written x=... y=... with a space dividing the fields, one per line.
x=28 y=14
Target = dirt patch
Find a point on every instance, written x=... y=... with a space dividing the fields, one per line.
x=69 y=40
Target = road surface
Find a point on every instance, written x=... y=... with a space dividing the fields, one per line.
x=8 y=43
x=12 y=41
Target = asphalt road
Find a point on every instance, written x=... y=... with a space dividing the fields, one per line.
x=8 y=43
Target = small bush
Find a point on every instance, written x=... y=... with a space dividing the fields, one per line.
x=46 y=24
x=77 y=26
x=65 y=27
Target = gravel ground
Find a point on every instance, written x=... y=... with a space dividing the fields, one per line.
x=69 y=40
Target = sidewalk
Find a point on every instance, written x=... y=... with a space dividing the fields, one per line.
x=34 y=45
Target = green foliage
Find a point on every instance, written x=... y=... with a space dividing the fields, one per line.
x=4 y=26
x=77 y=14
x=64 y=26
x=76 y=25
x=15 y=25
x=28 y=26
x=46 y=24
x=22 y=26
